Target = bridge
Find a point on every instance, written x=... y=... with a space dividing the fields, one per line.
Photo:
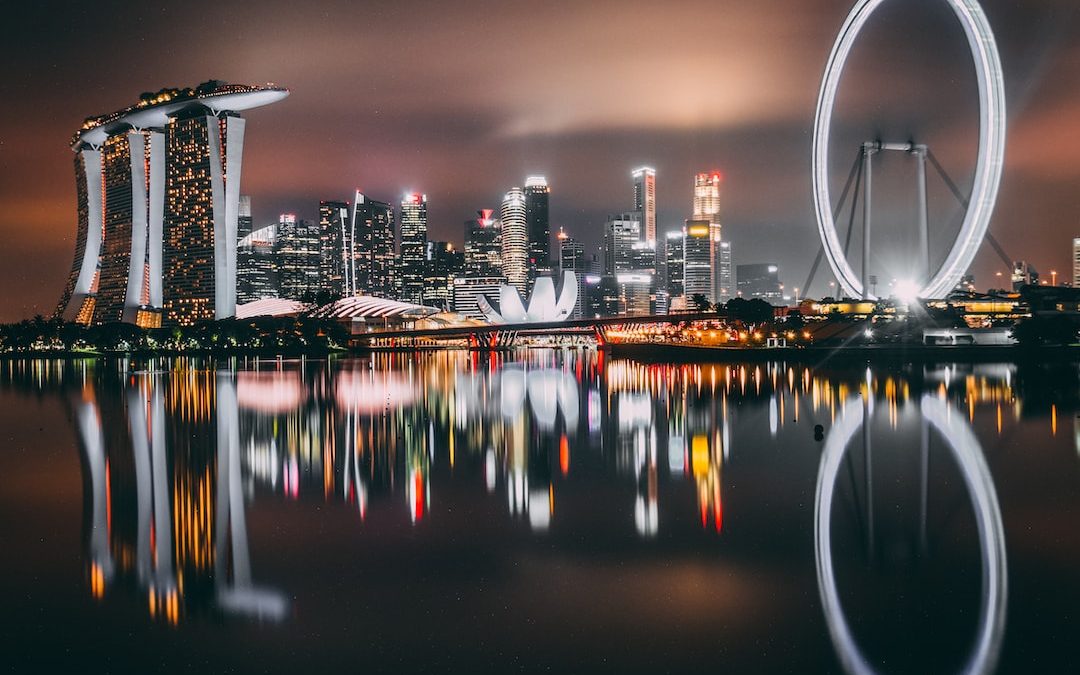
x=505 y=335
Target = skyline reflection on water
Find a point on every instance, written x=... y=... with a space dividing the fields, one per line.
x=571 y=512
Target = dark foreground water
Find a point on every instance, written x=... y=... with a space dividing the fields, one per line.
x=550 y=512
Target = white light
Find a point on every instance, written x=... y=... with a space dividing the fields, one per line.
x=988 y=166
x=907 y=291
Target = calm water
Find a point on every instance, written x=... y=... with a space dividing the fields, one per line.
x=549 y=512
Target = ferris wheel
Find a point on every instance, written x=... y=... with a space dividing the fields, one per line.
x=929 y=281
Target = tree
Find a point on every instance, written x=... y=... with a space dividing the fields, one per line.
x=749 y=311
x=701 y=303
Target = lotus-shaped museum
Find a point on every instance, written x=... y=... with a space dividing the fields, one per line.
x=543 y=305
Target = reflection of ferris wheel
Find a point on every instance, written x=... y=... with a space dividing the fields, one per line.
x=929 y=283
x=967 y=452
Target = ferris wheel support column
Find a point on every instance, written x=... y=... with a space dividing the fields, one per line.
x=924 y=220
x=868 y=152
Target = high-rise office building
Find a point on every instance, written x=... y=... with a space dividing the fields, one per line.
x=371 y=248
x=444 y=264
x=1076 y=262
x=635 y=292
x=335 y=264
x=299 y=256
x=158 y=188
x=537 y=197
x=637 y=283
x=760 y=281
x=483 y=246
x=697 y=256
x=621 y=233
x=602 y=296
x=256 y=265
x=672 y=266
x=707 y=199
x=645 y=200
x=245 y=224
x=244 y=221
x=413 y=249
x=707 y=208
x=572 y=259
x=726 y=271
x=515 y=240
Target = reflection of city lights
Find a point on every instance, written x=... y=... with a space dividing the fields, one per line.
x=506 y=425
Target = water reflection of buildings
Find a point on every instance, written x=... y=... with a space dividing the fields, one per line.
x=172 y=457
x=163 y=490
x=367 y=429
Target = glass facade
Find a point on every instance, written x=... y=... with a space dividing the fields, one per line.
x=444 y=265
x=645 y=200
x=188 y=257
x=515 y=240
x=538 y=224
x=483 y=254
x=374 y=252
x=697 y=256
x=335 y=271
x=413 y=249
x=299 y=256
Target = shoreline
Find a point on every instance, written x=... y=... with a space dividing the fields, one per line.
x=651 y=353
x=867 y=354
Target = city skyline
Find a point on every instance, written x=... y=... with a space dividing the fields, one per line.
x=753 y=125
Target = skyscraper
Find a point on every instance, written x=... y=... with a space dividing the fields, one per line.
x=537 y=223
x=256 y=265
x=697 y=254
x=621 y=232
x=483 y=254
x=645 y=200
x=413 y=251
x=637 y=283
x=707 y=199
x=444 y=265
x=1076 y=262
x=726 y=271
x=335 y=266
x=244 y=221
x=760 y=281
x=299 y=255
x=707 y=208
x=515 y=240
x=572 y=259
x=673 y=263
x=158 y=187
x=371 y=247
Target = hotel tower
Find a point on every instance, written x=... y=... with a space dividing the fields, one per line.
x=158 y=187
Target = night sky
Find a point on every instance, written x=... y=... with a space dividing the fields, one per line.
x=462 y=100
